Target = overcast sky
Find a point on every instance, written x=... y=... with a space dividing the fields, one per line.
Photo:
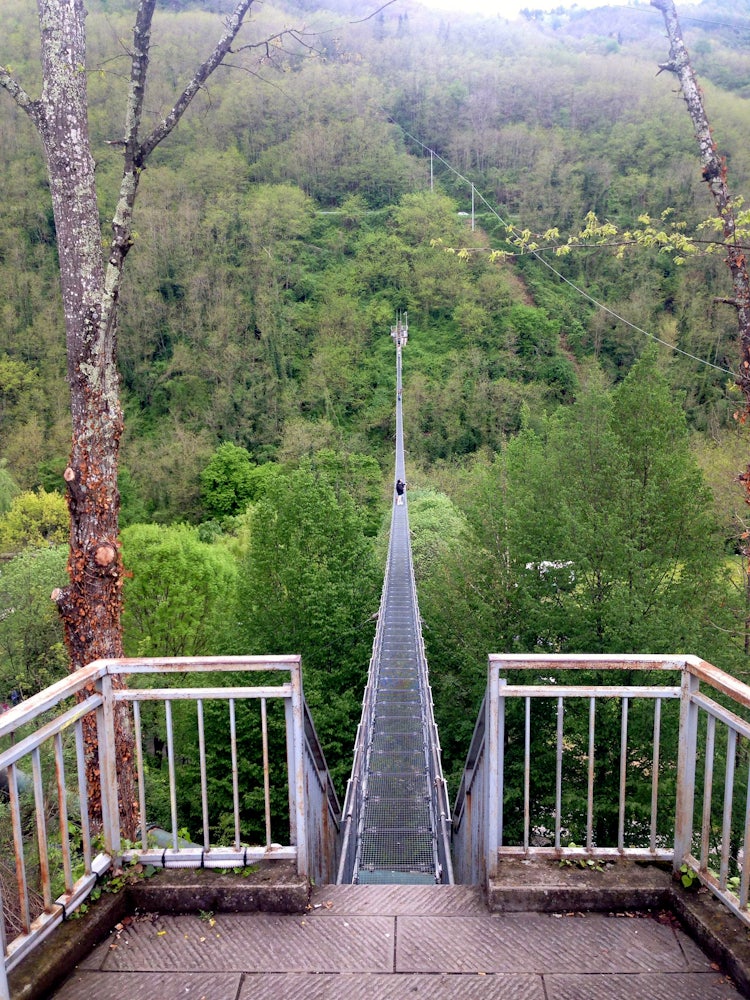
x=510 y=8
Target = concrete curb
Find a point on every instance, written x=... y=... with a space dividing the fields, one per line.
x=548 y=887
x=722 y=936
x=264 y=889
x=42 y=971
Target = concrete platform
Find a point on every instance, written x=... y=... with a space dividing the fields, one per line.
x=394 y=943
x=267 y=887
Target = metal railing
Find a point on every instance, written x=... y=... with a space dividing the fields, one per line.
x=59 y=856
x=354 y=798
x=440 y=799
x=620 y=770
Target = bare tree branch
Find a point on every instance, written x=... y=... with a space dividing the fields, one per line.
x=137 y=151
x=374 y=13
x=715 y=175
x=223 y=48
x=138 y=69
x=32 y=108
x=276 y=41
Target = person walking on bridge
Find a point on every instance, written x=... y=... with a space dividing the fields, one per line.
x=400 y=487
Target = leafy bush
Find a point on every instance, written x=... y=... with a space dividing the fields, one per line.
x=34 y=520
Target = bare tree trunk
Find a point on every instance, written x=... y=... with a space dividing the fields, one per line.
x=715 y=175
x=91 y=604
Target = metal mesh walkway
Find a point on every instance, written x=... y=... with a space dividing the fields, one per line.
x=396 y=815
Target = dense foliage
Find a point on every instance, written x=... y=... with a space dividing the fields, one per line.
x=555 y=457
x=284 y=224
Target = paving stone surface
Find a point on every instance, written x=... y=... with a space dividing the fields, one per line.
x=687 y=986
x=393 y=987
x=253 y=942
x=91 y=985
x=397 y=943
x=393 y=901
x=539 y=943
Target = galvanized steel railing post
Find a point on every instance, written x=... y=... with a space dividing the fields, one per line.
x=495 y=735
x=297 y=776
x=686 y=756
x=105 y=725
x=290 y=768
x=4 y=988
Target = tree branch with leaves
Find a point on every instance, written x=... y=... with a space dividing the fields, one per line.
x=715 y=175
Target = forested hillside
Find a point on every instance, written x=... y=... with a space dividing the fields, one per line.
x=310 y=194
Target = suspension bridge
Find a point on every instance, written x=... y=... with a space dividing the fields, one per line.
x=400 y=883
x=396 y=812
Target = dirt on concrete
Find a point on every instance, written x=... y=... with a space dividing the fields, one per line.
x=626 y=886
x=268 y=886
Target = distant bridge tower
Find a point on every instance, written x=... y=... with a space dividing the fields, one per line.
x=400 y=332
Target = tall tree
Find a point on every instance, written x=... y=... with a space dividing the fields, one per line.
x=91 y=604
x=310 y=583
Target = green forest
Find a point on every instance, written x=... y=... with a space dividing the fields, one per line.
x=572 y=447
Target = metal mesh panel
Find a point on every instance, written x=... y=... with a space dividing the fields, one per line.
x=400 y=763
x=407 y=785
x=403 y=813
x=400 y=709
x=401 y=724
x=398 y=850
x=399 y=742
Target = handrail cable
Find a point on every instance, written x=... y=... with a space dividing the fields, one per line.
x=554 y=270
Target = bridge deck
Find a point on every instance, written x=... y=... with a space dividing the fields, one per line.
x=392 y=942
x=397 y=835
x=399 y=839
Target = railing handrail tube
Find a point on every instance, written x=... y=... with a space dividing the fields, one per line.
x=44 y=701
x=588 y=691
x=725 y=715
x=719 y=680
x=354 y=787
x=195 y=694
x=594 y=661
x=200 y=664
x=441 y=800
x=21 y=749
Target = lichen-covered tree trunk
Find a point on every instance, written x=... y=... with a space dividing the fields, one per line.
x=91 y=604
x=715 y=175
